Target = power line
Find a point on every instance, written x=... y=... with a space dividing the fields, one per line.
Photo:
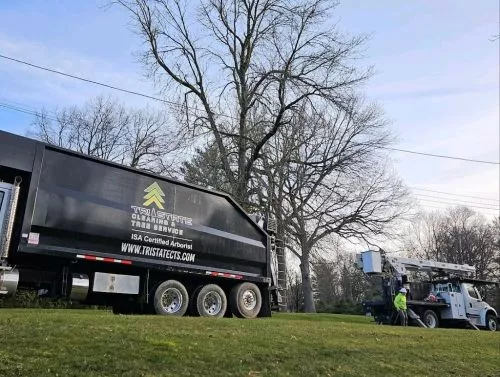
x=437 y=207
x=442 y=156
x=457 y=201
x=449 y=193
x=458 y=204
x=473 y=206
x=484 y=211
x=35 y=113
x=13 y=108
x=109 y=86
x=178 y=104
x=87 y=80
x=448 y=201
x=25 y=110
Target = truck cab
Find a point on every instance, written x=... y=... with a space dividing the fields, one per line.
x=465 y=303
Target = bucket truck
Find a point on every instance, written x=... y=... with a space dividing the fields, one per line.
x=449 y=298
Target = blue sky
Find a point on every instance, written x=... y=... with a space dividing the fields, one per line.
x=437 y=77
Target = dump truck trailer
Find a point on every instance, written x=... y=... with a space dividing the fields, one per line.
x=100 y=233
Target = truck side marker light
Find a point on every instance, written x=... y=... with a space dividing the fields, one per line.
x=223 y=275
x=101 y=259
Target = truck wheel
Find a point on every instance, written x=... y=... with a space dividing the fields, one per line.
x=211 y=301
x=491 y=322
x=246 y=300
x=171 y=298
x=430 y=319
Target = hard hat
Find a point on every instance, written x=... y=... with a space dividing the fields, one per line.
x=403 y=290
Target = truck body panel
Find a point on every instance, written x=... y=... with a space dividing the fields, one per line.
x=96 y=207
x=455 y=308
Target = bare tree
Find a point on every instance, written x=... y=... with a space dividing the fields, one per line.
x=326 y=281
x=294 y=294
x=338 y=284
x=246 y=71
x=334 y=182
x=459 y=236
x=94 y=129
x=243 y=67
x=323 y=175
x=105 y=129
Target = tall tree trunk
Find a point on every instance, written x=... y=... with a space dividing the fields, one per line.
x=307 y=290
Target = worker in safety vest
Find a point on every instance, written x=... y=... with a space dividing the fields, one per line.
x=400 y=305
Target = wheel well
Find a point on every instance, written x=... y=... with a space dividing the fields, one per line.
x=421 y=310
x=431 y=310
x=488 y=312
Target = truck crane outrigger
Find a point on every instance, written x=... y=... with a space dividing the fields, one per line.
x=450 y=297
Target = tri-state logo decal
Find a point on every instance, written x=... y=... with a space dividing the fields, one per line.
x=154 y=195
x=157 y=233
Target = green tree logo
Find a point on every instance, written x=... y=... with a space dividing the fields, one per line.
x=154 y=194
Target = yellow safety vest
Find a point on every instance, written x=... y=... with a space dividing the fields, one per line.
x=400 y=301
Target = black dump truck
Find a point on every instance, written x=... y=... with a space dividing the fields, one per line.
x=100 y=233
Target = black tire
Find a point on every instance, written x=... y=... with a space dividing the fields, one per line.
x=491 y=322
x=171 y=298
x=246 y=300
x=430 y=319
x=211 y=301
x=192 y=309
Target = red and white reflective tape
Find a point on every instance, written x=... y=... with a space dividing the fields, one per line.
x=224 y=275
x=101 y=259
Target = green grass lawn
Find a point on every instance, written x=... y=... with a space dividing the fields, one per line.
x=97 y=343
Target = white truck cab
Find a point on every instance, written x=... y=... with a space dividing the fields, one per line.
x=465 y=303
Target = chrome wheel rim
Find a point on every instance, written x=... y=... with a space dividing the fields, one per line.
x=212 y=303
x=492 y=324
x=249 y=299
x=171 y=300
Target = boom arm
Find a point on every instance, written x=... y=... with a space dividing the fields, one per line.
x=374 y=262
x=402 y=265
